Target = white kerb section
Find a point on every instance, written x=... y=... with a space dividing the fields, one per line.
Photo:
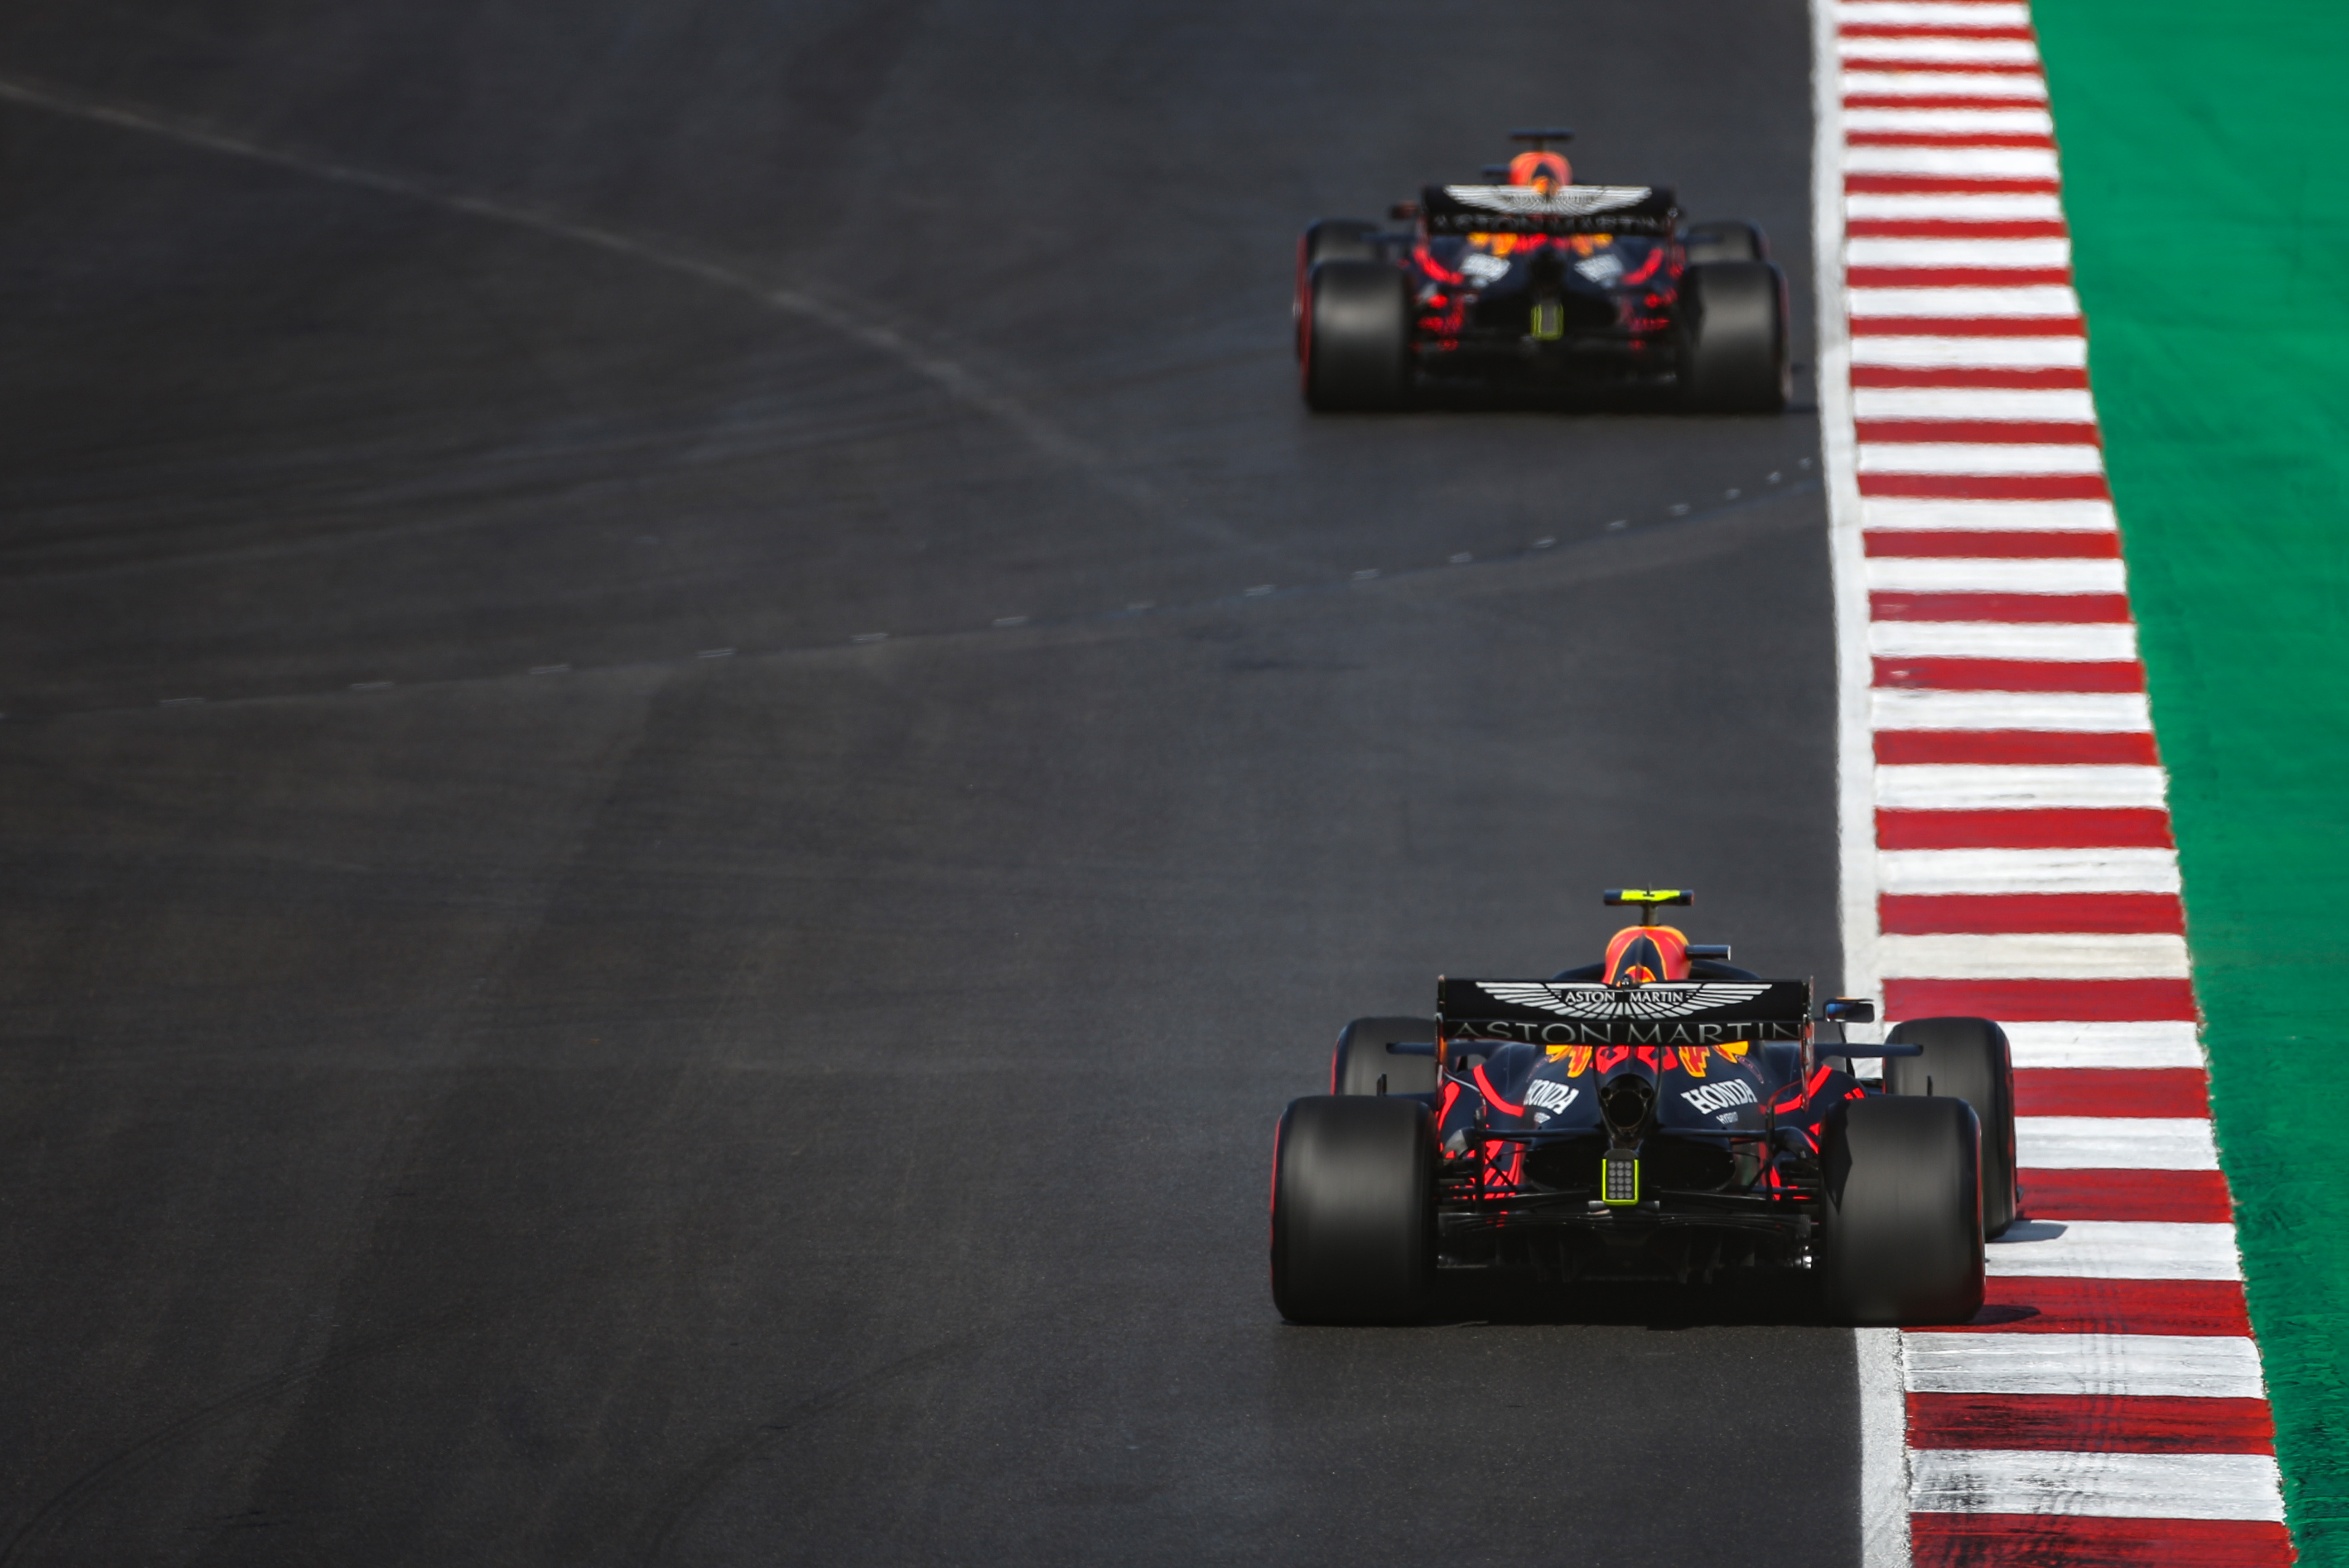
x=2084 y=711
x=2125 y=1366
x=2107 y=1485
x=2035 y=955
x=1960 y=787
x=1880 y=512
x=1956 y=16
x=1993 y=871
x=2115 y=1143
x=2114 y=1250
x=2103 y=1045
x=2021 y=85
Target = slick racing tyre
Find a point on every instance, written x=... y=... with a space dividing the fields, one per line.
x=1357 y=351
x=1903 y=1243
x=1332 y=239
x=1353 y=1210
x=1363 y=1058
x=1725 y=242
x=1733 y=343
x=1967 y=1059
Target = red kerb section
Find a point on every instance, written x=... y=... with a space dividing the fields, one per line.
x=2110 y=1092
x=2018 y=433
x=2015 y=747
x=2136 y=827
x=1953 y=229
x=1938 y=184
x=2042 y=1540
x=2037 y=609
x=1950 y=138
x=2008 y=675
x=1937 y=100
x=1892 y=60
x=1931 y=914
x=1976 y=543
x=2058 y=376
x=2090 y=1424
x=1968 y=327
x=1928 y=30
x=1953 y=277
x=1987 y=486
x=2205 y=1307
x=2184 y=1197
x=2042 y=1000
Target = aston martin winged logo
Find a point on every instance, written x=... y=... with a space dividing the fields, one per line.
x=1664 y=999
x=1566 y=202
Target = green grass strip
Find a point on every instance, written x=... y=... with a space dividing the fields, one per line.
x=2206 y=160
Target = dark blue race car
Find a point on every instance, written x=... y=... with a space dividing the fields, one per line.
x=1661 y=1115
x=1526 y=282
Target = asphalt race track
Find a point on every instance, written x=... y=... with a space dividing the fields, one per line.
x=492 y=1075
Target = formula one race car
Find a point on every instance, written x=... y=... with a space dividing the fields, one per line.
x=1531 y=282
x=1659 y=1116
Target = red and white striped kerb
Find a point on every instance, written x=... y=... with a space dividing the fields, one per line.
x=2006 y=829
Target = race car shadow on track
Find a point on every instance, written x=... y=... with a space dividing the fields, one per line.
x=1456 y=398
x=1465 y=1297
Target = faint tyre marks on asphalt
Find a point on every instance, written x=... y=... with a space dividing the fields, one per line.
x=859 y=324
x=667 y=1522
x=1684 y=537
x=50 y=1521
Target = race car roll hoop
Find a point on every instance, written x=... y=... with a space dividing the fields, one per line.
x=1659 y=1116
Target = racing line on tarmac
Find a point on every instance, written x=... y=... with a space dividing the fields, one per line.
x=2007 y=838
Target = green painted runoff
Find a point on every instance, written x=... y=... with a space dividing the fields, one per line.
x=2206 y=163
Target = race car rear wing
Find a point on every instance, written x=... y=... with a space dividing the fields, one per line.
x=1568 y=210
x=1666 y=1013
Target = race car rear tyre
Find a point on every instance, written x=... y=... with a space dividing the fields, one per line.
x=1332 y=239
x=1357 y=352
x=1731 y=239
x=1734 y=348
x=1902 y=1242
x=1363 y=1057
x=1353 y=1210
x=1967 y=1059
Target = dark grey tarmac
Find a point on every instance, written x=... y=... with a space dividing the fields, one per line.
x=488 y=1073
